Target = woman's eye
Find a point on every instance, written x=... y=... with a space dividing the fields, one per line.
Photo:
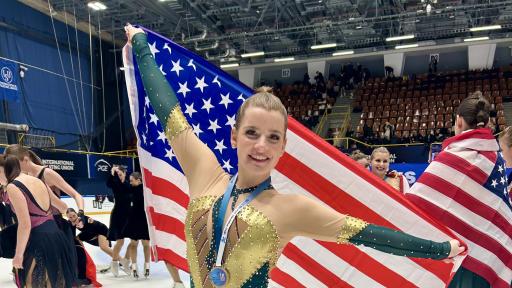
x=251 y=133
x=274 y=137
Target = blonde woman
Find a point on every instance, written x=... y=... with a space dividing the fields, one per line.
x=379 y=162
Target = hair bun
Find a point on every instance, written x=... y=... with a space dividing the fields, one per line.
x=480 y=105
x=264 y=89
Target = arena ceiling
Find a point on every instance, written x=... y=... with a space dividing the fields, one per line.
x=223 y=30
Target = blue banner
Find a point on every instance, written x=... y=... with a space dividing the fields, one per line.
x=9 y=83
x=412 y=172
x=100 y=166
x=406 y=154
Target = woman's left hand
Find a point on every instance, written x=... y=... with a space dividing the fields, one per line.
x=456 y=248
x=17 y=262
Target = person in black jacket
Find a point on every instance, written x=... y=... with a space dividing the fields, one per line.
x=137 y=226
x=119 y=216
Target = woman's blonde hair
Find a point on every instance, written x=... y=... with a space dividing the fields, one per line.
x=358 y=156
x=379 y=150
x=263 y=98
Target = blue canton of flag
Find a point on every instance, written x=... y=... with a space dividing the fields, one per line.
x=497 y=182
x=209 y=98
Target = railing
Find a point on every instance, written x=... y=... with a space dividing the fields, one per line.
x=38 y=141
x=345 y=142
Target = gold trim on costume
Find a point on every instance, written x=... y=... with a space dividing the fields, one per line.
x=176 y=123
x=196 y=216
x=351 y=227
x=258 y=244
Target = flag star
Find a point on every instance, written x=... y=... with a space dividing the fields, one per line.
x=151 y=143
x=191 y=64
x=213 y=126
x=494 y=183
x=207 y=105
x=216 y=80
x=161 y=136
x=153 y=119
x=143 y=138
x=220 y=145
x=166 y=47
x=190 y=109
x=241 y=97
x=153 y=49
x=183 y=89
x=502 y=181
x=196 y=129
x=176 y=67
x=200 y=84
x=226 y=165
x=225 y=100
x=231 y=121
x=500 y=169
x=169 y=154
x=146 y=103
x=162 y=70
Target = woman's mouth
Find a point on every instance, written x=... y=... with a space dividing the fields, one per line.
x=259 y=158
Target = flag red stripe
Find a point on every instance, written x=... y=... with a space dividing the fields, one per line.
x=485 y=271
x=313 y=267
x=343 y=202
x=170 y=257
x=313 y=139
x=463 y=166
x=491 y=155
x=461 y=227
x=369 y=266
x=284 y=279
x=164 y=188
x=167 y=223
x=465 y=199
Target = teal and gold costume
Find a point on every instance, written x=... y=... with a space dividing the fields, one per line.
x=262 y=228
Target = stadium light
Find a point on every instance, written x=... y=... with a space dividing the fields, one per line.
x=97 y=5
x=476 y=39
x=485 y=28
x=398 y=38
x=284 y=59
x=324 y=46
x=229 y=65
x=253 y=54
x=341 y=53
x=406 y=46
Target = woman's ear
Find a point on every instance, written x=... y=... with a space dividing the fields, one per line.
x=233 y=138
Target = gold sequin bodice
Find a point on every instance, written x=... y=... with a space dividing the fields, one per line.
x=252 y=242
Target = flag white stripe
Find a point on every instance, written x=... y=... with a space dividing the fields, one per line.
x=477 y=160
x=300 y=274
x=163 y=170
x=363 y=191
x=334 y=264
x=166 y=206
x=469 y=217
x=272 y=284
x=470 y=187
x=488 y=258
x=171 y=242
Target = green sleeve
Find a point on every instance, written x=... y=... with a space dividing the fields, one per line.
x=157 y=88
x=399 y=243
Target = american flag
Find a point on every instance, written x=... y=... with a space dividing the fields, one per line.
x=465 y=187
x=209 y=99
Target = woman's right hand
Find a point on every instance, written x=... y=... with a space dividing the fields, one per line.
x=131 y=31
x=17 y=261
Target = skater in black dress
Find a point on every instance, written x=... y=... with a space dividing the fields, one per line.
x=42 y=256
x=119 y=216
x=92 y=231
x=137 y=226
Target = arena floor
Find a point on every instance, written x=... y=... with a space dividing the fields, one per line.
x=159 y=276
